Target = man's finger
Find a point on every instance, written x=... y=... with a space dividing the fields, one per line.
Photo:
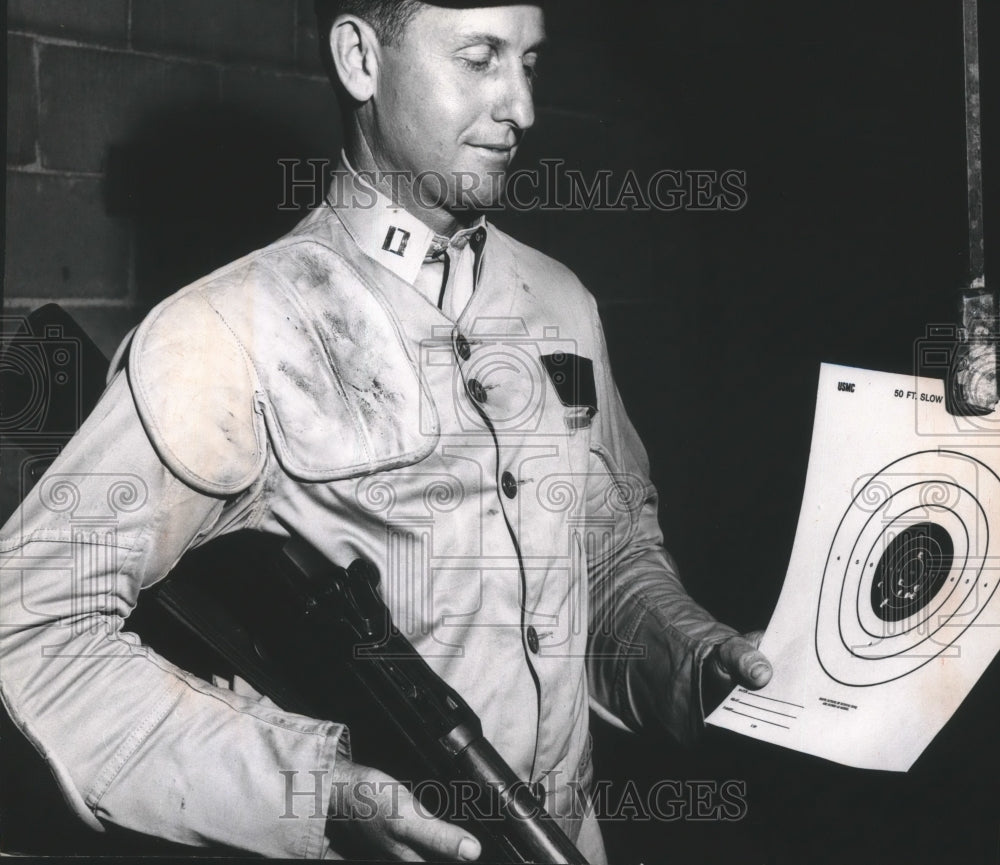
x=743 y=662
x=434 y=838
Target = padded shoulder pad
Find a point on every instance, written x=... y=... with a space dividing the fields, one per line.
x=194 y=387
x=288 y=349
x=341 y=394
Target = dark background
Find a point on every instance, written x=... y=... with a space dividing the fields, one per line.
x=143 y=139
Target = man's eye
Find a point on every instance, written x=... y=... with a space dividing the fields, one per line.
x=476 y=62
x=530 y=62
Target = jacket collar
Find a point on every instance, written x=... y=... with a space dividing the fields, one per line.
x=384 y=231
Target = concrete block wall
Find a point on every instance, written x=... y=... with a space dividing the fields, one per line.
x=131 y=123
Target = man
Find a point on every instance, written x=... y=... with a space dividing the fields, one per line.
x=396 y=380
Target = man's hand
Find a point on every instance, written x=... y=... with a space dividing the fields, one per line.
x=737 y=661
x=372 y=814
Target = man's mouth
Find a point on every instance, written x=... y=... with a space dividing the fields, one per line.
x=500 y=150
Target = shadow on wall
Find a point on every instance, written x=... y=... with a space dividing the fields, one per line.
x=202 y=185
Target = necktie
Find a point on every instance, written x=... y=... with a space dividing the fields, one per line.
x=459 y=280
x=447 y=276
x=438 y=264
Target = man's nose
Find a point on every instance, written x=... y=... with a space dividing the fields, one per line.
x=516 y=104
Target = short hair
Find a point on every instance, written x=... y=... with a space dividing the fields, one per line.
x=388 y=19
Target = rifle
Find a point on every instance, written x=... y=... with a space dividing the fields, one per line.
x=318 y=640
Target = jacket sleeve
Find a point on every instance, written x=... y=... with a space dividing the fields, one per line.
x=649 y=638
x=130 y=738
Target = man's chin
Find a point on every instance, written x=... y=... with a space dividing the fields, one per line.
x=488 y=194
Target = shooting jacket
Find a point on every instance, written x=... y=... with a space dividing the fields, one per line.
x=485 y=466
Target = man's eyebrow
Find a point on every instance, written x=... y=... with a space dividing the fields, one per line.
x=539 y=45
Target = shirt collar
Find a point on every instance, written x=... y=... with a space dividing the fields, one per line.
x=386 y=232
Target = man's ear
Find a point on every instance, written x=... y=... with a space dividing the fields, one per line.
x=355 y=50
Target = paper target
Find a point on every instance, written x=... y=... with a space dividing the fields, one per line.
x=905 y=576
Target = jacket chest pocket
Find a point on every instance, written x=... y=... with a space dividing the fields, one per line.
x=570 y=378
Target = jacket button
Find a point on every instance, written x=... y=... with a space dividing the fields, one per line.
x=509 y=485
x=476 y=390
x=532 y=639
x=462 y=347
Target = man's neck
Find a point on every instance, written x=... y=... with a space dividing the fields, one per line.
x=401 y=191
